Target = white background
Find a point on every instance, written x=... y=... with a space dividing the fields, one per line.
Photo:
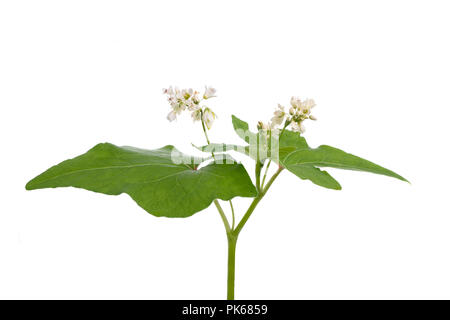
x=76 y=73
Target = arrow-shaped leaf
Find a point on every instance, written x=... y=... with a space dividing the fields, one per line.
x=326 y=156
x=164 y=181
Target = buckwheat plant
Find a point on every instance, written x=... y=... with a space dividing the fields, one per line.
x=168 y=183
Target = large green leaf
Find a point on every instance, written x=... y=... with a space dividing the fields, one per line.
x=164 y=181
x=326 y=156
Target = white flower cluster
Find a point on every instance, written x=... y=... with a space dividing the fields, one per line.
x=188 y=99
x=298 y=112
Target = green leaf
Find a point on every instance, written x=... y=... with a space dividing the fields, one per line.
x=326 y=156
x=296 y=156
x=289 y=142
x=280 y=148
x=242 y=130
x=164 y=182
x=315 y=175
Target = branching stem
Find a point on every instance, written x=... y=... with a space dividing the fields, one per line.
x=232 y=215
x=223 y=216
x=228 y=229
x=255 y=203
x=232 y=232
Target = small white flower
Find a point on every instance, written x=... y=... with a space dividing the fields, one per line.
x=169 y=91
x=209 y=93
x=195 y=98
x=208 y=117
x=298 y=127
x=197 y=115
x=171 y=116
x=179 y=95
x=190 y=105
x=187 y=93
x=280 y=112
x=309 y=104
x=189 y=99
x=306 y=106
x=278 y=117
x=178 y=107
x=296 y=102
x=298 y=112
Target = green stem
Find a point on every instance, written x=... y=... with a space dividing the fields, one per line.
x=206 y=134
x=232 y=240
x=230 y=236
x=255 y=202
x=270 y=160
x=216 y=202
x=232 y=215
x=232 y=233
x=233 y=236
x=223 y=216
x=258 y=168
x=204 y=128
x=265 y=173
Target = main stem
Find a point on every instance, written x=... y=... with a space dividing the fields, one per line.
x=233 y=234
x=232 y=240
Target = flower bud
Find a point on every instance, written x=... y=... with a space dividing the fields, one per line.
x=260 y=125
